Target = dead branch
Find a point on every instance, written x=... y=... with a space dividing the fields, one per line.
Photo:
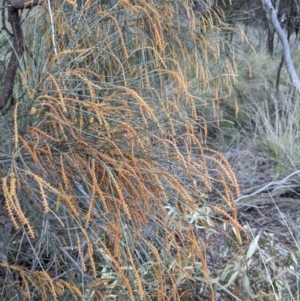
x=274 y=188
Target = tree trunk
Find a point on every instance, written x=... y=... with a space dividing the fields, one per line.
x=8 y=81
x=17 y=51
x=285 y=44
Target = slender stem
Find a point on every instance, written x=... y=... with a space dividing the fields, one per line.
x=286 y=47
x=52 y=28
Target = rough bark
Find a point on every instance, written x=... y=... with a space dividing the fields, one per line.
x=271 y=33
x=13 y=65
x=8 y=81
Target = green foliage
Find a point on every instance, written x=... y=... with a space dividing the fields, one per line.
x=106 y=174
x=107 y=182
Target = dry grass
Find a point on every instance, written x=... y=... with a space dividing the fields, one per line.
x=261 y=144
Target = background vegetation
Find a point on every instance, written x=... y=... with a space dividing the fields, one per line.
x=134 y=145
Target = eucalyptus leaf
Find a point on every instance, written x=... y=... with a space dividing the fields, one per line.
x=253 y=246
x=246 y=285
x=232 y=278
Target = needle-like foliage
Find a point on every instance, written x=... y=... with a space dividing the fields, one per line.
x=108 y=180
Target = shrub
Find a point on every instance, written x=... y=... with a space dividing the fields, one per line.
x=107 y=181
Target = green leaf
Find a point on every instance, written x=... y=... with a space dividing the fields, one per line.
x=246 y=285
x=253 y=246
x=232 y=278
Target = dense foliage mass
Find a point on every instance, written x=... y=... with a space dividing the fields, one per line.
x=109 y=190
x=108 y=175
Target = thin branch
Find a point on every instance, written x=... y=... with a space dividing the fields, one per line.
x=286 y=47
x=52 y=28
x=5 y=6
